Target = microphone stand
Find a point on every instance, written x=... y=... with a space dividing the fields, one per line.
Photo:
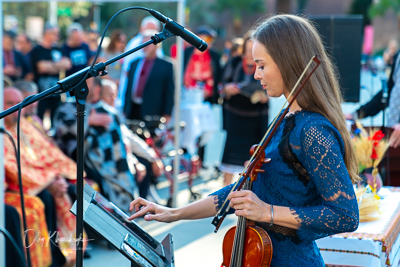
x=385 y=95
x=384 y=101
x=76 y=85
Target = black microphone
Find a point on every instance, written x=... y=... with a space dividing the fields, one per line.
x=177 y=29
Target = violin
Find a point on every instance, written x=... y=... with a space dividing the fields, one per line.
x=246 y=244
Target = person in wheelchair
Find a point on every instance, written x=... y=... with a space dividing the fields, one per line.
x=142 y=159
x=105 y=153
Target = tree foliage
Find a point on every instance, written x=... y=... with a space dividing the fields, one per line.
x=78 y=10
x=239 y=7
x=361 y=7
x=382 y=6
x=130 y=20
x=200 y=12
x=21 y=10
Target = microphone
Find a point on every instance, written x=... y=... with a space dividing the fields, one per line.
x=177 y=29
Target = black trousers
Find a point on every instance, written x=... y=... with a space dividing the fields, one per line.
x=150 y=178
x=51 y=220
x=13 y=226
x=50 y=103
x=136 y=114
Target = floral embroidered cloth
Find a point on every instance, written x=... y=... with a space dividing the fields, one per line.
x=41 y=163
x=375 y=243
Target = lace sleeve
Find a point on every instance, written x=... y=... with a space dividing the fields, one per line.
x=321 y=153
x=220 y=196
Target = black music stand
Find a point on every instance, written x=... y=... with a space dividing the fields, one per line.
x=127 y=236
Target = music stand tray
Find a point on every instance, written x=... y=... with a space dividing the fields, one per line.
x=127 y=236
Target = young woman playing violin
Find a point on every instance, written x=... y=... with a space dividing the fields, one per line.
x=306 y=191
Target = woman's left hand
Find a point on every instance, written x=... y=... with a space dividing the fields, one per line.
x=248 y=205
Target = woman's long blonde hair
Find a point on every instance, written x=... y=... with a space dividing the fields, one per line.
x=292 y=41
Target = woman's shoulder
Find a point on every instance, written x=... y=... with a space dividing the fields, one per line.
x=313 y=126
x=314 y=118
x=313 y=121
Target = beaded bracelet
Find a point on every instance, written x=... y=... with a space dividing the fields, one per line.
x=272 y=215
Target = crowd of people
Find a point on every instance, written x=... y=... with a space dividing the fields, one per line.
x=123 y=167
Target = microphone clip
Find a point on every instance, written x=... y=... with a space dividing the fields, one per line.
x=159 y=37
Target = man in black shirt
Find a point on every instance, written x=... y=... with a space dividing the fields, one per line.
x=75 y=49
x=48 y=63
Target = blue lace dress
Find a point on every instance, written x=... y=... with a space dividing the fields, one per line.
x=307 y=174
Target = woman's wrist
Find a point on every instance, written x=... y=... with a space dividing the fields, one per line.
x=271 y=222
x=225 y=93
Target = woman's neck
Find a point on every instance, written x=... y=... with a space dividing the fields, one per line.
x=294 y=107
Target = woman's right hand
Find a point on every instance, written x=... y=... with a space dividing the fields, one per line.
x=394 y=139
x=231 y=89
x=99 y=119
x=150 y=211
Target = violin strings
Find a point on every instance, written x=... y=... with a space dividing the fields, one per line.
x=237 y=251
x=238 y=243
x=266 y=134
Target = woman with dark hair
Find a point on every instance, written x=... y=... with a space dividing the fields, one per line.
x=306 y=191
x=245 y=104
x=115 y=48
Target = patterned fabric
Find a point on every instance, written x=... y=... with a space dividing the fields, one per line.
x=307 y=174
x=387 y=237
x=66 y=128
x=105 y=151
x=37 y=229
x=41 y=163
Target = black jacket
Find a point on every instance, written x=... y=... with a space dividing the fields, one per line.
x=375 y=105
x=158 y=94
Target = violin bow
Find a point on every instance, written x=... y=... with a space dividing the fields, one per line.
x=223 y=211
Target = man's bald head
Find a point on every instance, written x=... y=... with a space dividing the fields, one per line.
x=149 y=22
x=12 y=97
x=109 y=92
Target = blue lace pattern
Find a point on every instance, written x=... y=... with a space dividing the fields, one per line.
x=307 y=174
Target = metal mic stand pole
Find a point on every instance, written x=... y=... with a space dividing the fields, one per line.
x=384 y=100
x=76 y=84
